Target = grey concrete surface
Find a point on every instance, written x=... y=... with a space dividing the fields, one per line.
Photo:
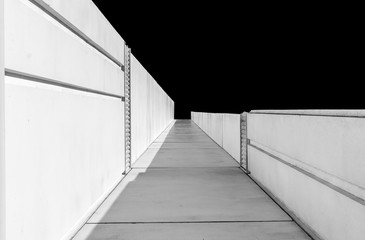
x=182 y=157
x=195 y=231
x=184 y=145
x=188 y=191
x=194 y=194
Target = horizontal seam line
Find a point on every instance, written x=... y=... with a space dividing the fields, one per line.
x=185 y=167
x=314 y=177
x=64 y=22
x=199 y=222
x=34 y=78
x=181 y=148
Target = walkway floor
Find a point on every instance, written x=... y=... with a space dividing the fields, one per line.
x=186 y=187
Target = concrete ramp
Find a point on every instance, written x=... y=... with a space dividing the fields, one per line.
x=187 y=187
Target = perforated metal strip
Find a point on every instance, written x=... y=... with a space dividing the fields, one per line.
x=244 y=157
x=127 y=108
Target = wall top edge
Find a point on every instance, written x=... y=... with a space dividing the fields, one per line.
x=308 y=112
x=315 y=112
x=217 y=113
x=145 y=70
x=65 y=18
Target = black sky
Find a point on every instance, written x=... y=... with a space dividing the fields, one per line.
x=232 y=58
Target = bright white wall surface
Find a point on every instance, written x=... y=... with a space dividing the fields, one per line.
x=86 y=17
x=329 y=147
x=232 y=135
x=215 y=128
x=152 y=109
x=64 y=148
x=39 y=45
x=2 y=126
x=223 y=128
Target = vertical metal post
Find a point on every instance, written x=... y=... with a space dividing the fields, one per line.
x=127 y=108
x=244 y=142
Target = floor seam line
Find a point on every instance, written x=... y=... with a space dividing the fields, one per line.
x=193 y=222
x=181 y=167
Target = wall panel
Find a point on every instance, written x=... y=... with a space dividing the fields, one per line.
x=86 y=17
x=152 y=109
x=231 y=135
x=39 y=45
x=312 y=161
x=64 y=149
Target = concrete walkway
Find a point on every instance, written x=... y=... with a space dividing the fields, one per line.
x=186 y=187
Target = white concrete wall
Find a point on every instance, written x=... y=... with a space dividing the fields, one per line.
x=2 y=126
x=223 y=128
x=328 y=147
x=64 y=148
x=39 y=45
x=216 y=128
x=152 y=109
x=89 y=20
x=231 y=135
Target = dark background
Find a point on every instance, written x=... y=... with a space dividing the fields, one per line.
x=223 y=57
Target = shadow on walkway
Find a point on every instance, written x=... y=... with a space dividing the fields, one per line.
x=187 y=187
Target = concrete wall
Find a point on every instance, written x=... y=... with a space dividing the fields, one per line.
x=2 y=126
x=152 y=109
x=231 y=135
x=313 y=162
x=39 y=45
x=90 y=21
x=224 y=129
x=64 y=148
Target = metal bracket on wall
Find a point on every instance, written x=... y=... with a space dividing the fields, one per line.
x=127 y=109
x=244 y=142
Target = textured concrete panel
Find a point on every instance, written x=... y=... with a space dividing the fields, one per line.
x=215 y=128
x=329 y=147
x=64 y=150
x=152 y=109
x=37 y=44
x=326 y=148
x=329 y=213
x=231 y=135
x=84 y=15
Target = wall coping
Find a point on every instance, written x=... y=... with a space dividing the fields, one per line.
x=360 y=113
